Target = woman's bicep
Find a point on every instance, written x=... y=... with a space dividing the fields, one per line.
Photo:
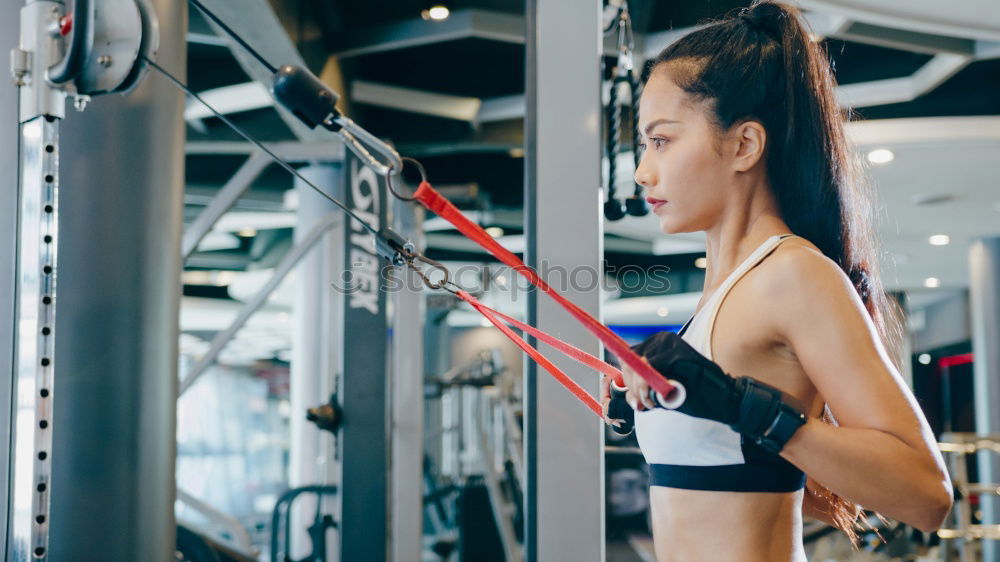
x=822 y=319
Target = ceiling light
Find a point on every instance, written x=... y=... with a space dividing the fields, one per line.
x=494 y=231
x=197 y=277
x=247 y=232
x=662 y=312
x=924 y=358
x=701 y=263
x=881 y=156
x=224 y=278
x=932 y=282
x=436 y=13
x=939 y=240
x=517 y=152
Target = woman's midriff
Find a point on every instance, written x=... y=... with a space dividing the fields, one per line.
x=696 y=526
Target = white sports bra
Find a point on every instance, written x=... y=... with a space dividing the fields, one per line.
x=694 y=453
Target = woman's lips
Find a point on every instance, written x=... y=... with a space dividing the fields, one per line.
x=656 y=203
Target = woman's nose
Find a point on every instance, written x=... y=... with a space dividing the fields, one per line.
x=643 y=175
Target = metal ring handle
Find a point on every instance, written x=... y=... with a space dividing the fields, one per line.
x=675 y=399
x=420 y=168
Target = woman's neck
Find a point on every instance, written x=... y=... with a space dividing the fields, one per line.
x=746 y=222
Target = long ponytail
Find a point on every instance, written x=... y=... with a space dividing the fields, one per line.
x=761 y=64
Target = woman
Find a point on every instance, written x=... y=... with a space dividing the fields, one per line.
x=743 y=140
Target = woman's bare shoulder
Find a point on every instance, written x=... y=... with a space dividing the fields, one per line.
x=802 y=285
x=796 y=267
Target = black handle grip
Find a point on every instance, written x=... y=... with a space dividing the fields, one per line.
x=303 y=94
x=618 y=409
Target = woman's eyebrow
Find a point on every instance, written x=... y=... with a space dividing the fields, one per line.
x=659 y=122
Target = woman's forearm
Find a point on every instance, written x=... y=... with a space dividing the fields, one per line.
x=875 y=469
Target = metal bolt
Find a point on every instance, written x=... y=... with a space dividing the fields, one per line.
x=80 y=102
x=104 y=60
x=19 y=66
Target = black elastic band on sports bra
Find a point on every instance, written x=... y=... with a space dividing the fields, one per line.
x=729 y=478
x=761 y=472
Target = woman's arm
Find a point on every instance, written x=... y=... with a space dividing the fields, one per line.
x=883 y=455
x=875 y=469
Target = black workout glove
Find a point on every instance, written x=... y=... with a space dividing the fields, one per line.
x=750 y=407
x=618 y=407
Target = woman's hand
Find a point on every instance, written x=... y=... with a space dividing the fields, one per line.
x=606 y=399
x=617 y=412
x=637 y=394
x=637 y=389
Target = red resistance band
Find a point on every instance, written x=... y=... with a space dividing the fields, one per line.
x=587 y=359
x=436 y=202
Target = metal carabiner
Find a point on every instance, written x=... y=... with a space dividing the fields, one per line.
x=445 y=281
x=359 y=140
x=626 y=40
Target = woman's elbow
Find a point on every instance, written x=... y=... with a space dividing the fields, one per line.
x=935 y=511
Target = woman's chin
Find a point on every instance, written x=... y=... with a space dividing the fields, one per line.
x=668 y=226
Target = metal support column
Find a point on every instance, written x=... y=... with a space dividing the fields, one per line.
x=34 y=350
x=8 y=247
x=436 y=331
x=984 y=289
x=407 y=397
x=316 y=348
x=121 y=196
x=363 y=444
x=563 y=441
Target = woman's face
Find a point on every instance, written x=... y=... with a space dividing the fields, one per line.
x=681 y=168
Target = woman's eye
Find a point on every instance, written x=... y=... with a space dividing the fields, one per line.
x=658 y=143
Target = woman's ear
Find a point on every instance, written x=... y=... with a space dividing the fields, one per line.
x=750 y=139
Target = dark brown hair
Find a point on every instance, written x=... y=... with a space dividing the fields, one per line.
x=761 y=64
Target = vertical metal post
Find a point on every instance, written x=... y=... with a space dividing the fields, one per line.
x=8 y=253
x=364 y=437
x=984 y=295
x=35 y=352
x=407 y=397
x=563 y=441
x=316 y=348
x=435 y=352
x=30 y=437
x=122 y=171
